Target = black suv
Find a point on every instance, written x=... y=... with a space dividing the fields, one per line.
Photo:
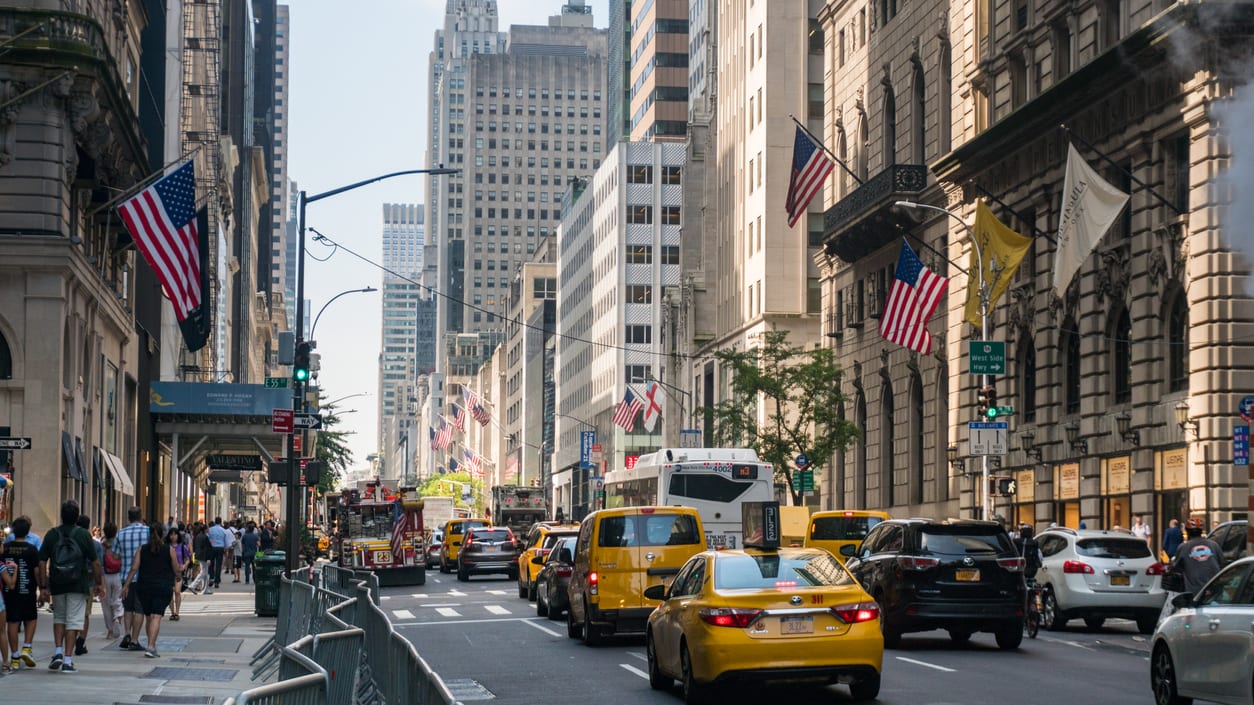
x=961 y=576
x=488 y=549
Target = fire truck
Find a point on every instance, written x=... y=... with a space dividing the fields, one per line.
x=518 y=507
x=366 y=538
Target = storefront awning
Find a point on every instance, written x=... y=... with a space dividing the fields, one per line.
x=121 y=478
x=69 y=462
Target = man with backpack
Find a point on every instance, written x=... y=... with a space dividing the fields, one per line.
x=72 y=567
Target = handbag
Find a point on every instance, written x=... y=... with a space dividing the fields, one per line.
x=112 y=562
x=1173 y=580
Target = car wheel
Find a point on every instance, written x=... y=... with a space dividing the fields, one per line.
x=959 y=636
x=1163 y=679
x=1146 y=623
x=462 y=574
x=1094 y=622
x=866 y=688
x=1010 y=636
x=555 y=612
x=522 y=589
x=657 y=679
x=542 y=608
x=1052 y=616
x=532 y=592
x=573 y=630
x=444 y=566
x=694 y=692
x=591 y=635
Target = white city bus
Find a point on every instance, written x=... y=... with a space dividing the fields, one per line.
x=714 y=481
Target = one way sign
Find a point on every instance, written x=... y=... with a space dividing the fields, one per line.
x=309 y=422
x=15 y=443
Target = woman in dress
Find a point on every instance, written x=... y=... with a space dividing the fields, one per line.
x=183 y=553
x=156 y=565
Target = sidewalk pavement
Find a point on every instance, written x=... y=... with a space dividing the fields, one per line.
x=204 y=658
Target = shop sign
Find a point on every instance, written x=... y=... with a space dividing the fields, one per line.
x=1118 y=471
x=1175 y=469
x=1069 y=481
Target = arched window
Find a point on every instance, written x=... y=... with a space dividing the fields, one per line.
x=1027 y=377
x=916 y=439
x=864 y=145
x=842 y=149
x=836 y=488
x=890 y=126
x=860 y=469
x=1121 y=362
x=6 y=359
x=918 y=141
x=944 y=94
x=886 y=446
x=1177 y=344
x=1071 y=366
x=940 y=418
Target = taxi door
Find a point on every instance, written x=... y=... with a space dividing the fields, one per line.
x=668 y=537
x=617 y=561
x=673 y=612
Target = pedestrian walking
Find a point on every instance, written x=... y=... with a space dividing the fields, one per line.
x=203 y=552
x=8 y=579
x=267 y=536
x=1140 y=529
x=1196 y=561
x=111 y=604
x=251 y=542
x=80 y=645
x=237 y=550
x=219 y=540
x=71 y=567
x=21 y=601
x=32 y=538
x=183 y=556
x=1172 y=538
x=129 y=541
x=152 y=575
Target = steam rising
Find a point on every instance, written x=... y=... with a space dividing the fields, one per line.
x=1236 y=115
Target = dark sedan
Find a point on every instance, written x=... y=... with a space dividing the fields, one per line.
x=554 y=576
x=488 y=549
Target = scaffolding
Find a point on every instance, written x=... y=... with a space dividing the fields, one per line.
x=200 y=128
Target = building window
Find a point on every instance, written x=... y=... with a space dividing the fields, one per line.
x=6 y=359
x=638 y=294
x=1177 y=344
x=640 y=254
x=1027 y=376
x=638 y=373
x=814 y=295
x=1071 y=366
x=639 y=174
x=670 y=215
x=671 y=175
x=816 y=38
x=863 y=146
x=640 y=215
x=544 y=288
x=669 y=254
x=1176 y=164
x=816 y=101
x=944 y=96
x=1018 y=81
x=639 y=335
x=917 y=465
x=1112 y=23
x=888 y=10
x=886 y=446
x=1121 y=364
x=1061 y=51
x=890 y=127
x=918 y=140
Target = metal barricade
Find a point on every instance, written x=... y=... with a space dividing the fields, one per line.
x=339 y=654
x=303 y=682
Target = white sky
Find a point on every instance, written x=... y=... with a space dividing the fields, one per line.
x=357 y=92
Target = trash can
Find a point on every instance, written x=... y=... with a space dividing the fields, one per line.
x=267 y=570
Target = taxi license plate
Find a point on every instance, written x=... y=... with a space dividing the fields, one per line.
x=967 y=576
x=796 y=625
x=382 y=556
x=1120 y=580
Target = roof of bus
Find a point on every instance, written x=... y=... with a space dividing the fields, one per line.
x=679 y=455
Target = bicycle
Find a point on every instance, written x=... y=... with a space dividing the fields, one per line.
x=1032 y=620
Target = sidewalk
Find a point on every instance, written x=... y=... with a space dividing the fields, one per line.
x=204 y=658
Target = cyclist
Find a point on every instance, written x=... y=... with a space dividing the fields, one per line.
x=1030 y=550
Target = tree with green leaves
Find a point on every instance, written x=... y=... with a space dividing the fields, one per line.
x=332 y=449
x=785 y=401
x=453 y=485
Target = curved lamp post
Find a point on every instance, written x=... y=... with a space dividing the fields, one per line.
x=314 y=327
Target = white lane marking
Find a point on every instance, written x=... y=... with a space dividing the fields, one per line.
x=403 y=614
x=456 y=593
x=1076 y=644
x=924 y=663
x=447 y=612
x=546 y=630
x=443 y=604
x=419 y=595
x=633 y=669
x=496 y=592
x=496 y=609
x=465 y=621
x=636 y=654
x=386 y=597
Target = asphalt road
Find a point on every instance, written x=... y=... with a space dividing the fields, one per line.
x=489 y=646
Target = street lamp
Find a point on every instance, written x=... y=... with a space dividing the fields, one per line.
x=983 y=289
x=314 y=327
x=295 y=490
x=575 y=418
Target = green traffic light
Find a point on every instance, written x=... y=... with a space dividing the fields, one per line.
x=300 y=375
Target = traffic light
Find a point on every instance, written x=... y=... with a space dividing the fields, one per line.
x=986 y=397
x=300 y=364
x=1001 y=486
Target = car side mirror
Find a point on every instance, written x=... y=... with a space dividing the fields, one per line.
x=849 y=550
x=655 y=592
x=538 y=560
x=1184 y=599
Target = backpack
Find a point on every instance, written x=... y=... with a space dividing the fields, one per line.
x=112 y=561
x=67 y=561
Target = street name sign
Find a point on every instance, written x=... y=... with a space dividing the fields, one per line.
x=15 y=443
x=281 y=420
x=309 y=422
x=1241 y=445
x=1246 y=409
x=986 y=357
x=987 y=437
x=276 y=382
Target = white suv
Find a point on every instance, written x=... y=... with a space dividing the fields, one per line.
x=1093 y=575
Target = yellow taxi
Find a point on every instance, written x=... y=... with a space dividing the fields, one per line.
x=540 y=539
x=454 y=530
x=833 y=530
x=764 y=615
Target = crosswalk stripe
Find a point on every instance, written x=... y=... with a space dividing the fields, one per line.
x=403 y=614
x=447 y=612
x=496 y=609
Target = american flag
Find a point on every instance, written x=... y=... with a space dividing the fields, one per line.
x=459 y=418
x=627 y=410
x=431 y=432
x=475 y=406
x=474 y=462
x=162 y=221
x=400 y=524
x=810 y=167
x=916 y=292
x=444 y=437
x=511 y=470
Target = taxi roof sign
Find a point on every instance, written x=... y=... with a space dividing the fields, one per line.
x=761 y=523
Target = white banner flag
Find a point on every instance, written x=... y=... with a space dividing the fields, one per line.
x=652 y=404
x=1090 y=206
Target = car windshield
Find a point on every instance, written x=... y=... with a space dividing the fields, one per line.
x=1112 y=548
x=842 y=528
x=967 y=542
x=649 y=530
x=490 y=535
x=552 y=538
x=745 y=571
x=461 y=527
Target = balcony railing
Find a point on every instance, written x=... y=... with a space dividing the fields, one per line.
x=866 y=220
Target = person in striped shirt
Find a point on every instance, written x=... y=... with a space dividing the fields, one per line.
x=130 y=539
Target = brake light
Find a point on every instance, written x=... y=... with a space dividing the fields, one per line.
x=592 y=582
x=1014 y=565
x=857 y=612
x=729 y=616
x=1155 y=569
x=563 y=572
x=1077 y=567
x=917 y=562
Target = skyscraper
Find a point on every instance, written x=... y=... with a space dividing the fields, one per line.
x=282 y=264
x=403 y=242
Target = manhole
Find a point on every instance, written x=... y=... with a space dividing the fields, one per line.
x=467 y=689
x=176 y=699
x=192 y=674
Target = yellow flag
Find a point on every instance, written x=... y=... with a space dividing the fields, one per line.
x=1001 y=250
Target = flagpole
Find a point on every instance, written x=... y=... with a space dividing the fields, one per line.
x=1118 y=166
x=1035 y=230
x=823 y=147
x=144 y=182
